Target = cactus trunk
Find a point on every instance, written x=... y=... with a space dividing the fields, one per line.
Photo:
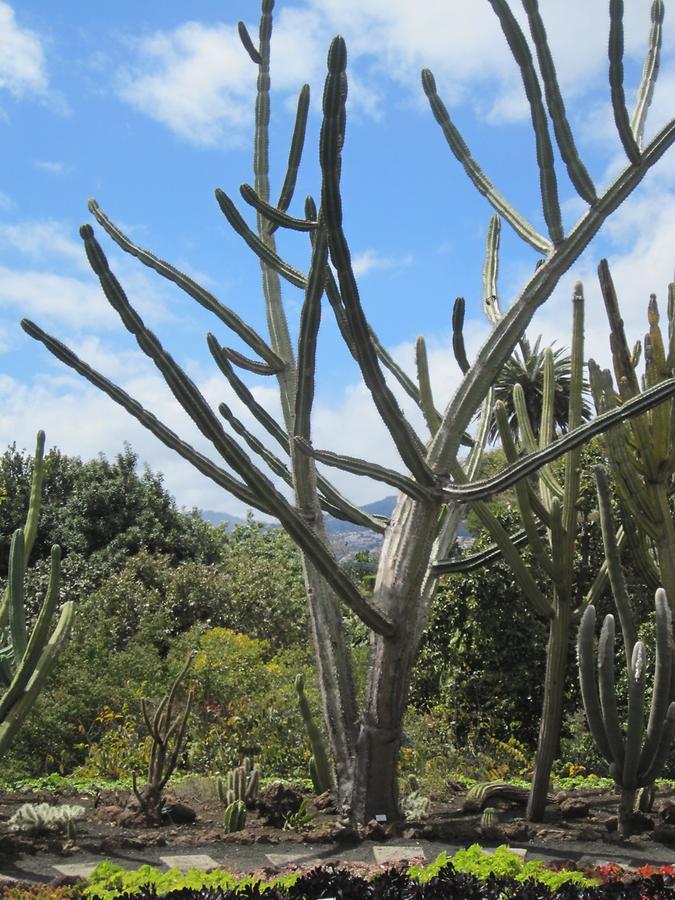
x=551 y=717
x=399 y=594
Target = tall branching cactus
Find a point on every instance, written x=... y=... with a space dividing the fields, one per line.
x=364 y=743
x=641 y=452
x=636 y=757
x=548 y=511
x=27 y=660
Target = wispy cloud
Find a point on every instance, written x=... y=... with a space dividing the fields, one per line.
x=42 y=240
x=197 y=80
x=52 y=167
x=6 y=202
x=370 y=260
x=22 y=57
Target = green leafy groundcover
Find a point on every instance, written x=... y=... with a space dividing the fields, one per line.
x=470 y=874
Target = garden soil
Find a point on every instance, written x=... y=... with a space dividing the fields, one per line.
x=580 y=828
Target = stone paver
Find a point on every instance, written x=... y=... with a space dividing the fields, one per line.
x=384 y=855
x=190 y=861
x=76 y=870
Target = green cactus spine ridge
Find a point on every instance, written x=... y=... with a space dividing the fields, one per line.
x=234 y=818
x=320 y=768
x=490 y=817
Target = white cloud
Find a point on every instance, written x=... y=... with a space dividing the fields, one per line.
x=41 y=240
x=197 y=80
x=52 y=167
x=55 y=299
x=6 y=202
x=641 y=261
x=22 y=59
x=370 y=260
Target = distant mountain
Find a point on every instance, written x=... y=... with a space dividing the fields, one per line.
x=216 y=518
x=334 y=527
x=384 y=507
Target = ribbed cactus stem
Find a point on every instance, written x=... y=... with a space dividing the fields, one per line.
x=633 y=764
x=323 y=769
x=234 y=817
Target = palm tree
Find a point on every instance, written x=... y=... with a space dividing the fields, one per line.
x=526 y=367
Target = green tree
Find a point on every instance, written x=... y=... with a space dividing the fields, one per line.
x=101 y=505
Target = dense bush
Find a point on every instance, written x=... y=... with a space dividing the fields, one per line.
x=246 y=698
x=100 y=506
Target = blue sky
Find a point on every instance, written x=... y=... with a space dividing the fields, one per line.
x=148 y=107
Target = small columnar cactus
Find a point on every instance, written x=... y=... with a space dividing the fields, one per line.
x=243 y=784
x=235 y=817
x=636 y=759
x=320 y=769
x=490 y=817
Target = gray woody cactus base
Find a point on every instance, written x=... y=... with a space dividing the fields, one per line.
x=364 y=739
x=26 y=660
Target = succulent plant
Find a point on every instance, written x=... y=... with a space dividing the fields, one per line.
x=27 y=660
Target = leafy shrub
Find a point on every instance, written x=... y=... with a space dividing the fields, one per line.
x=245 y=698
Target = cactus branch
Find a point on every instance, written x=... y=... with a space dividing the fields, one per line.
x=266 y=254
x=548 y=185
x=295 y=152
x=252 y=365
x=491 y=271
x=249 y=46
x=575 y=168
x=649 y=73
x=617 y=579
x=431 y=416
x=272 y=213
x=332 y=135
x=616 y=81
x=475 y=173
x=147 y=419
x=458 y=338
x=478 y=560
x=362 y=467
x=194 y=290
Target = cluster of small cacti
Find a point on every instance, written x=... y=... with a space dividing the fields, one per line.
x=35 y=818
x=241 y=793
x=638 y=758
x=320 y=769
x=416 y=806
x=26 y=661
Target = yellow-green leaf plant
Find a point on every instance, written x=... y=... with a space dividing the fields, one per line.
x=364 y=740
x=27 y=658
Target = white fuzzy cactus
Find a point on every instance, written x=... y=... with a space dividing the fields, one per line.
x=38 y=817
